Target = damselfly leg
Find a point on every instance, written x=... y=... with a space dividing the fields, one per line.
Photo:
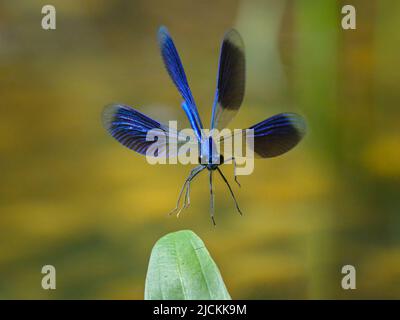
x=230 y=189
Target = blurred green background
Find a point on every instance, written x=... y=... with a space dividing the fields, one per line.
x=74 y=198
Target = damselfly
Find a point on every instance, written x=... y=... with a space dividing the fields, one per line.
x=272 y=137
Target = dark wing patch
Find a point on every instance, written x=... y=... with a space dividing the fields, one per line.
x=231 y=78
x=278 y=134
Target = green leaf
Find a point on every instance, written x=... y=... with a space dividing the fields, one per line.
x=181 y=268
